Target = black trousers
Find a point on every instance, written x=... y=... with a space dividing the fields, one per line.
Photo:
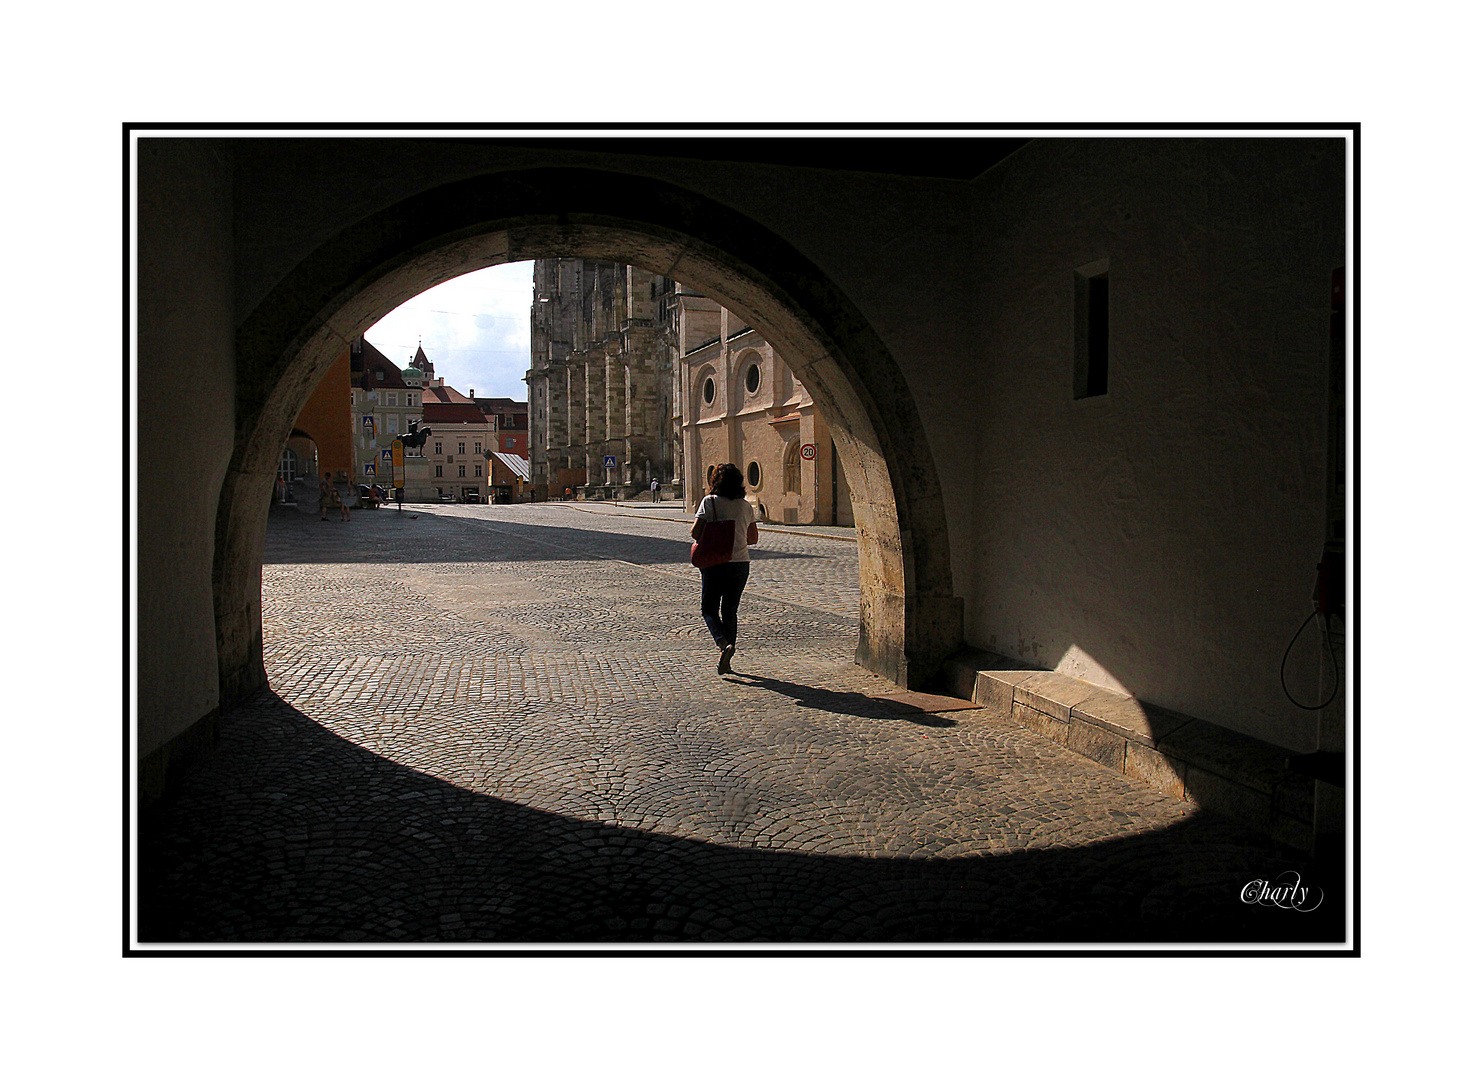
x=720 y=592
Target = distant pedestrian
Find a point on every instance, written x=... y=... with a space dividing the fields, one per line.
x=282 y=490
x=654 y=487
x=350 y=495
x=327 y=496
x=721 y=586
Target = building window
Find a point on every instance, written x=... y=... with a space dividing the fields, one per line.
x=461 y=447
x=437 y=470
x=380 y=376
x=709 y=390
x=754 y=378
x=1090 y=363
x=754 y=474
x=509 y=444
x=791 y=482
x=478 y=470
x=438 y=448
x=461 y=470
x=478 y=447
x=288 y=466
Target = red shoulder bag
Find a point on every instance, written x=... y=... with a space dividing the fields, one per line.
x=713 y=548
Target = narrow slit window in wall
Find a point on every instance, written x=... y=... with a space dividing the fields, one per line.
x=1089 y=371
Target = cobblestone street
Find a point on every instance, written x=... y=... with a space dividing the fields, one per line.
x=503 y=724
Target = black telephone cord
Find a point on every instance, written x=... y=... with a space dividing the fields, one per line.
x=1329 y=640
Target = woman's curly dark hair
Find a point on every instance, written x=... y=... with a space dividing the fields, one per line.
x=726 y=482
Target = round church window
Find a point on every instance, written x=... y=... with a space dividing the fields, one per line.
x=709 y=391
x=754 y=378
x=754 y=474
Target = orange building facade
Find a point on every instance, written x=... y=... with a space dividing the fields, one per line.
x=323 y=427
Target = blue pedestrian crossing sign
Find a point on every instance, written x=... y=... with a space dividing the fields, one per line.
x=609 y=462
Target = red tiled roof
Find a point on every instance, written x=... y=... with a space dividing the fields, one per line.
x=370 y=352
x=372 y=361
x=446 y=394
x=434 y=412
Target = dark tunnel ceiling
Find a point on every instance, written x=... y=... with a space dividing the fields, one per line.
x=935 y=157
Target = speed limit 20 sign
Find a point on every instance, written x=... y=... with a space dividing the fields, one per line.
x=807 y=451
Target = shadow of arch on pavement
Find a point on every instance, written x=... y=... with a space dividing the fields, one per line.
x=293 y=834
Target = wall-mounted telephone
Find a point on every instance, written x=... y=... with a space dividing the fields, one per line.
x=1328 y=590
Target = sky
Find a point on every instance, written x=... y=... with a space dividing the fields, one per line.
x=475 y=329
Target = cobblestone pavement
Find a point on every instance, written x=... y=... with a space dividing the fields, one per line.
x=504 y=724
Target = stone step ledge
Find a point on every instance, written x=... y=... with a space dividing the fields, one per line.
x=1223 y=771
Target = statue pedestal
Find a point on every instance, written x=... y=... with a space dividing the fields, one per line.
x=418 y=484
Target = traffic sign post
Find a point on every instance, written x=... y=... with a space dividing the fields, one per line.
x=609 y=462
x=808 y=451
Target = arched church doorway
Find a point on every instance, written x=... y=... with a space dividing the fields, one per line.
x=909 y=619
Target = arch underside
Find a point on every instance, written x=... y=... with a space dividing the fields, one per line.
x=909 y=619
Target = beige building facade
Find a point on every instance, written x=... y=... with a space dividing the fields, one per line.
x=455 y=449
x=741 y=403
x=385 y=401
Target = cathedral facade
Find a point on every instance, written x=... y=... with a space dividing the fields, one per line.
x=634 y=377
x=602 y=391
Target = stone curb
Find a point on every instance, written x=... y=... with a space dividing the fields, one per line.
x=1224 y=771
x=685 y=518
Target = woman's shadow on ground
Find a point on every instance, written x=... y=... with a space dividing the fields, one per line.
x=846 y=702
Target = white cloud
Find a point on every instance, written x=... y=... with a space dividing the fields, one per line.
x=475 y=329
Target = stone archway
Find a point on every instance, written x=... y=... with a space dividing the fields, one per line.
x=909 y=619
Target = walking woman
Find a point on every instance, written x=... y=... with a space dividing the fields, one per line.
x=721 y=586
